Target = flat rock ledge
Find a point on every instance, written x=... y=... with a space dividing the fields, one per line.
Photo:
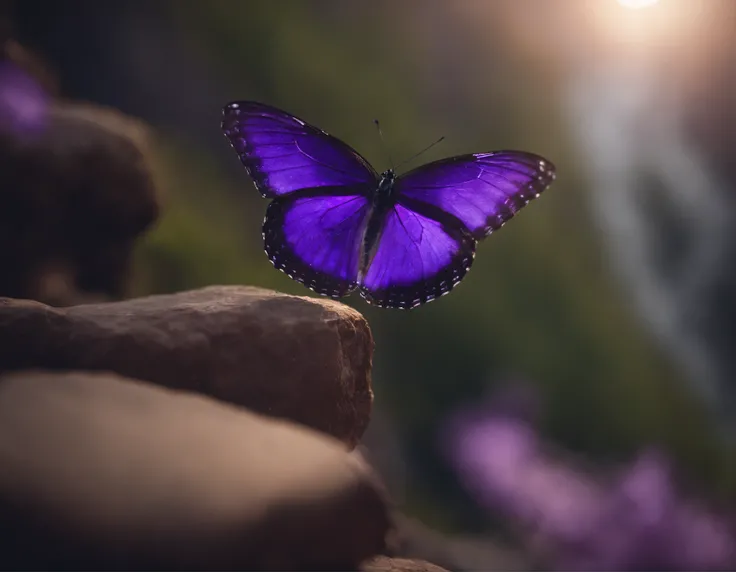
x=386 y=564
x=99 y=472
x=303 y=359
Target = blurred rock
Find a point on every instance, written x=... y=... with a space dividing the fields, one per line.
x=412 y=539
x=103 y=472
x=75 y=196
x=385 y=564
x=305 y=359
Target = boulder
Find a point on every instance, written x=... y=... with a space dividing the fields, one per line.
x=412 y=540
x=300 y=358
x=107 y=473
x=386 y=564
x=76 y=196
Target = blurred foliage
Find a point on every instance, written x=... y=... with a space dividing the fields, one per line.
x=540 y=302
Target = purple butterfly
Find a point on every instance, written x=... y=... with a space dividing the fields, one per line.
x=335 y=225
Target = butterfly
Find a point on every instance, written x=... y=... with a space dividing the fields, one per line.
x=335 y=225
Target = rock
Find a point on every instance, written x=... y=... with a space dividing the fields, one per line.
x=410 y=539
x=386 y=564
x=102 y=472
x=75 y=198
x=304 y=359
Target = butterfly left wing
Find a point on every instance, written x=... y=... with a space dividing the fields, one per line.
x=482 y=191
x=284 y=154
x=314 y=227
x=416 y=259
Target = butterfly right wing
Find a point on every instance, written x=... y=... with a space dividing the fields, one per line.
x=482 y=191
x=284 y=154
x=429 y=236
x=415 y=260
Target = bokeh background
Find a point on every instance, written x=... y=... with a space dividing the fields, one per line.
x=608 y=307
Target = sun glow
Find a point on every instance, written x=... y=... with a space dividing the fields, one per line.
x=645 y=24
x=637 y=4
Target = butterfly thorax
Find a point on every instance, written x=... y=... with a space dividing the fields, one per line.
x=382 y=196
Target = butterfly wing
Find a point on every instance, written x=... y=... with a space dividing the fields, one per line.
x=317 y=239
x=483 y=190
x=283 y=154
x=314 y=227
x=416 y=259
x=428 y=239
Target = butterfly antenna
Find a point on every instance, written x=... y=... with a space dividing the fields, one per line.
x=427 y=148
x=383 y=141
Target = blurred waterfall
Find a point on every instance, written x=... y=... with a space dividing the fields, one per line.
x=666 y=216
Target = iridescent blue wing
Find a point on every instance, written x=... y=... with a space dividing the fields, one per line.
x=428 y=238
x=483 y=190
x=283 y=154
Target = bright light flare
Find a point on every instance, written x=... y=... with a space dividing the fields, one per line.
x=637 y=4
x=652 y=24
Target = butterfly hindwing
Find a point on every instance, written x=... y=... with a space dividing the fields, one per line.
x=283 y=154
x=416 y=259
x=483 y=190
x=317 y=239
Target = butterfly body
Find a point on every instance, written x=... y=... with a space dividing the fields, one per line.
x=385 y=190
x=381 y=202
x=336 y=225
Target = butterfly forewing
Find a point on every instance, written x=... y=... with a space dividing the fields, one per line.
x=483 y=191
x=417 y=259
x=284 y=154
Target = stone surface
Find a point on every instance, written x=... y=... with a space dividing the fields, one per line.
x=305 y=359
x=102 y=472
x=386 y=564
x=410 y=539
x=75 y=198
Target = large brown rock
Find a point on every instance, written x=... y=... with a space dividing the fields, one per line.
x=305 y=359
x=386 y=564
x=102 y=472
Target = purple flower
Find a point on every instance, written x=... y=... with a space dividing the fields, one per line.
x=578 y=521
x=24 y=104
